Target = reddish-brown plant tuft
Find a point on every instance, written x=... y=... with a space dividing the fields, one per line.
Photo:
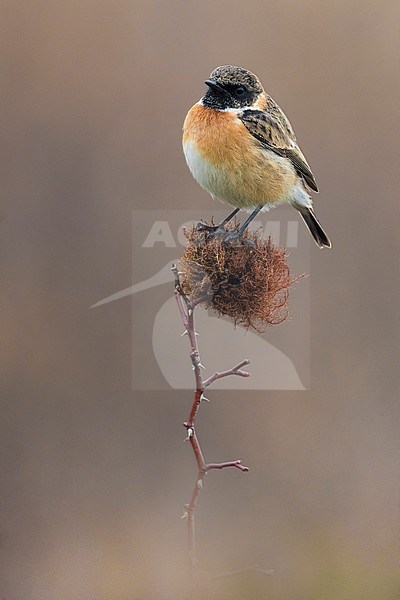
x=247 y=280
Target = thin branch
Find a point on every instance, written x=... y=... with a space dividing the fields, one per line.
x=186 y=310
x=231 y=463
x=191 y=507
x=234 y=371
x=192 y=437
x=182 y=311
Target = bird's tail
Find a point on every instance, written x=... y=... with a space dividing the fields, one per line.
x=319 y=235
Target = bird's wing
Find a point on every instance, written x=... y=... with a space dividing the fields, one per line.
x=272 y=128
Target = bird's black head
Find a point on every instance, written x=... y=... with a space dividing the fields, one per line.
x=231 y=87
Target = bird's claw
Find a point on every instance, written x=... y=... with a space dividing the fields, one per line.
x=201 y=226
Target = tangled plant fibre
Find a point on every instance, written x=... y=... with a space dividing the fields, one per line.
x=246 y=280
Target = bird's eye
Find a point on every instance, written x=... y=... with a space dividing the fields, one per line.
x=240 y=90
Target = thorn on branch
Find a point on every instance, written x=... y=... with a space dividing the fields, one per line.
x=190 y=432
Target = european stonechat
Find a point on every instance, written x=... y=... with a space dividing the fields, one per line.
x=240 y=147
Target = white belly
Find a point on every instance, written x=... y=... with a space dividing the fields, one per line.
x=210 y=178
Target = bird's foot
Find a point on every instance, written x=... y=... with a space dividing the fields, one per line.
x=212 y=229
x=235 y=238
x=228 y=237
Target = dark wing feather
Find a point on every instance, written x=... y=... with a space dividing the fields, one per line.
x=274 y=131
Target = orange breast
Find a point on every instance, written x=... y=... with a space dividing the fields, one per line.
x=218 y=135
x=249 y=174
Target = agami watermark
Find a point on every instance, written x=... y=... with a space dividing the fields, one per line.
x=280 y=356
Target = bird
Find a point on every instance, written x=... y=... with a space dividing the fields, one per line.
x=240 y=147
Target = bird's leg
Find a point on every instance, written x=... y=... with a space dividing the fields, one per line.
x=236 y=235
x=253 y=215
x=217 y=228
x=230 y=236
x=228 y=218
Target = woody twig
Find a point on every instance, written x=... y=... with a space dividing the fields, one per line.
x=186 y=308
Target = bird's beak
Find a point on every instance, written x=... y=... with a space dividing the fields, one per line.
x=215 y=86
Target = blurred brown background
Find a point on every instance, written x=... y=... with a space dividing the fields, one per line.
x=95 y=476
